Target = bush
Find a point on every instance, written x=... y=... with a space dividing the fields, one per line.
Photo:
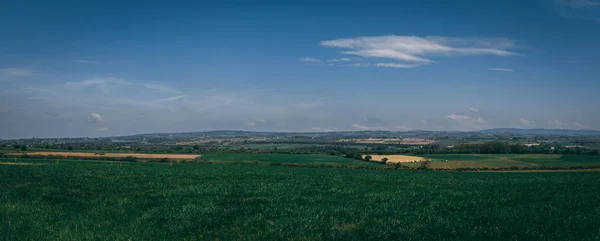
x=384 y=160
x=424 y=165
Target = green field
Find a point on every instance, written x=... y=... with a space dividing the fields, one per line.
x=86 y=200
x=511 y=160
x=289 y=158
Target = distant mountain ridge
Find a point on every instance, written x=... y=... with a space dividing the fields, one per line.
x=542 y=131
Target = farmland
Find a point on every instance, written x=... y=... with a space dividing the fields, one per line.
x=100 y=200
x=453 y=161
x=286 y=158
x=89 y=154
x=396 y=158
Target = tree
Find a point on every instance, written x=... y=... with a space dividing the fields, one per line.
x=69 y=148
x=16 y=146
x=384 y=160
x=368 y=158
x=24 y=148
x=196 y=147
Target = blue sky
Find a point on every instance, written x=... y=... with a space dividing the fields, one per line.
x=102 y=68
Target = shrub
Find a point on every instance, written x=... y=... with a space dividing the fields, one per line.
x=424 y=165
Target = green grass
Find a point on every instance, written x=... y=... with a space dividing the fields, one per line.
x=510 y=160
x=103 y=201
x=289 y=158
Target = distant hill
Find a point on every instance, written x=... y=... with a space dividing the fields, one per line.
x=542 y=131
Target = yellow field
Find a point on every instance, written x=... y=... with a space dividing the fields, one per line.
x=397 y=158
x=91 y=154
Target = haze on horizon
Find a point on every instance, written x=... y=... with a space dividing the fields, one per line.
x=105 y=68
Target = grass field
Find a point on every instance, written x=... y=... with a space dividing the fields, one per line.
x=509 y=160
x=83 y=200
x=289 y=158
x=92 y=154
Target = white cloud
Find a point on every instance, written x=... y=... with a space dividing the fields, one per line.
x=403 y=128
x=360 y=65
x=83 y=61
x=501 y=69
x=104 y=85
x=463 y=119
x=100 y=83
x=578 y=9
x=474 y=109
x=339 y=60
x=14 y=72
x=580 y=3
x=526 y=122
x=102 y=129
x=556 y=123
x=581 y=126
x=310 y=59
x=418 y=50
x=96 y=117
x=424 y=122
x=360 y=127
x=255 y=122
x=396 y=65
x=169 y=99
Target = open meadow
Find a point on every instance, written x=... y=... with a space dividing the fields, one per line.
x=301 y=159
x=543 y=161
x=76 y=200
x=92 y=154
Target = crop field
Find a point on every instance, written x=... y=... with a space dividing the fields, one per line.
x=396 y=158
x=82 y=200
x=288 y=158
x=451 y=161
x=91 y=154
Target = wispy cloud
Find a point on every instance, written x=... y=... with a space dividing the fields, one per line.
x=396 y=65
x=306 y=106
x=13 y=72
x=463 y=119
x=582 y=126
x=339 y=60
x=360 y=127
x=556 y=123
x=104 y=84
x=419 y=50
x=501 y=69
x=580 y=3
x=578 y=9
x=83 y=61
x=474 y=109
x=310 y=60
x=100 y=83
x=255 y=122
x=102 y=129
x=424 y=122
x=169 y=99
x=526 y=122
x=403 y=128
x=360 y=64
x=96 y=117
